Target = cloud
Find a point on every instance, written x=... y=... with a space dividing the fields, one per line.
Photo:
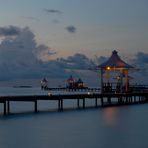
x=71 y=29
x=77 y=61
x=31 y=18
x=21 y=57
x=52 y=11
x=44 y=53
x=9 y=31
x=141 y=62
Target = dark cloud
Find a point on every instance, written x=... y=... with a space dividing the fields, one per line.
x=99 y=60
x=21 y=57
x=77 y=61
x=141 y=58
x=52 y=11
x=9 y=31
x=71 y=29
x=141 y=62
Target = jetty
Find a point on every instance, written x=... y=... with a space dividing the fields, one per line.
x=100 y=99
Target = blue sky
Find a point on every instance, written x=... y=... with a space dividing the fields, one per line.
x=72 y=31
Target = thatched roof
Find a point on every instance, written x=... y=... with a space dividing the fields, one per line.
x=115 y=62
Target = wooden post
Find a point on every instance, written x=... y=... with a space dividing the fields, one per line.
x=61 y=104
x=5 y=112
x=139 y=98
x=134 y=98
x=126 y=99
x=108 y=74
x=102 y=102
x=126 y=81
x=8 y=107
x=101 y=79
x=78 y=103
x=109 y=100
x=35 y=106
x=84 y=103
x=96 y=103
x=121 y=80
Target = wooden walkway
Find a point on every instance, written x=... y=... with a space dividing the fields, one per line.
x=92 y=89
x=100 y=99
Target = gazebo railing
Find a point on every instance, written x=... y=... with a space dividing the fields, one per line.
x=112 y=87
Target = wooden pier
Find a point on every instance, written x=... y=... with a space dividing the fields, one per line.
x=100 y=99
x=93 y=89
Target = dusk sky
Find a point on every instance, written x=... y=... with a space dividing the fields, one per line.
x=51 y=29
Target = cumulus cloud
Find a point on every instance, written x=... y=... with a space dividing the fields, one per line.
x=9 y=31
x=77 y=61
x=21 y=57
x=141 y=62
x=52 y=11
x=71 y=29
x=44 y=53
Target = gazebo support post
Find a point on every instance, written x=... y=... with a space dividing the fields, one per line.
x=101 y=79
x=121 y=80
x=108 y=76
x=126 y=80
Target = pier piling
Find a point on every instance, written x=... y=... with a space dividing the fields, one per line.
x=35 y=106
x=8 y=107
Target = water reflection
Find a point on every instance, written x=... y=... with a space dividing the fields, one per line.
x=110 y=116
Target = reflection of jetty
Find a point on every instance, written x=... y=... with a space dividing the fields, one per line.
x=102 y=99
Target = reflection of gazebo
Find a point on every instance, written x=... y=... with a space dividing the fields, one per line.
x=117 y=67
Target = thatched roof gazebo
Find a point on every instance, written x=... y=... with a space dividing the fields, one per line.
x=117 y=66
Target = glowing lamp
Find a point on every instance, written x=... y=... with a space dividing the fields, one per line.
x=88 y=93
x=108 y=68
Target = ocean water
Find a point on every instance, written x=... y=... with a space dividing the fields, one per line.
x=109 y=127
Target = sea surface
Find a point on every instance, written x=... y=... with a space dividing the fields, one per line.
x=109 y=127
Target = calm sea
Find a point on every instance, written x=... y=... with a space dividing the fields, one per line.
x=110 y=127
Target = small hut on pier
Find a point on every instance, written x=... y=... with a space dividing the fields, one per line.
x=114 y=69
x=80 y=83
x=71 y=82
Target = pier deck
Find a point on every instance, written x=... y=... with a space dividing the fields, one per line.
x=105 y=99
